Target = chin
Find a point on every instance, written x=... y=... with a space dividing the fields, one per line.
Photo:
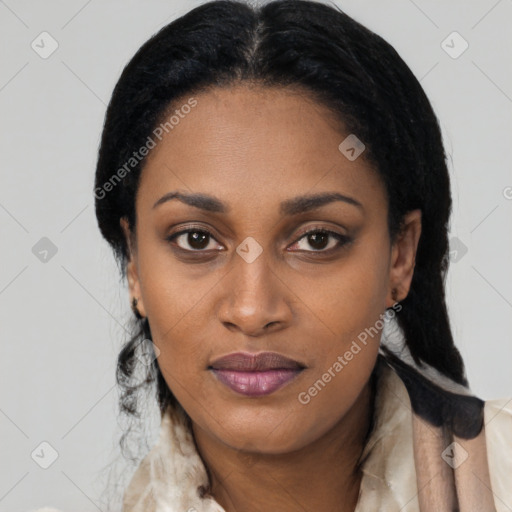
x=272 y=435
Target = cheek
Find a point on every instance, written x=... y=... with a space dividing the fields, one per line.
x=171 y=292
x=173 y=302
x=352 y=296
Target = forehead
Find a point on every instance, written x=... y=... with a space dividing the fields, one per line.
x=254 y=145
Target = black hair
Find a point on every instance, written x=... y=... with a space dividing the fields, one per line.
x=313 y=47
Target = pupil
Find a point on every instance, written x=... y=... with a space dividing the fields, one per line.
x=198 y=240
x=314 y=238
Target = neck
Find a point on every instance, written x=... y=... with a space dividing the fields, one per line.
x=323 y=475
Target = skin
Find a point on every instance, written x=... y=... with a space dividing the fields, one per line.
x=252 y=148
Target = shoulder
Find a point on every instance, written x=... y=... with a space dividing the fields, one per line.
x=498 y=435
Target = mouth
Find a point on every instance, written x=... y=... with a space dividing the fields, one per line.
x=249 y=362
x=255 y=374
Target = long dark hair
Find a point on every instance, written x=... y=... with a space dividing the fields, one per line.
x=337 y=61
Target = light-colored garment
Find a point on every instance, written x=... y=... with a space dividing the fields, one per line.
x=408 y=464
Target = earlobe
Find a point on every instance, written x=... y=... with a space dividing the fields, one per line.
x=403 y=257
x=136 y=301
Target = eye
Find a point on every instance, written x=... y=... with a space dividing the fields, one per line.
x=193 y=240
x=320 y=239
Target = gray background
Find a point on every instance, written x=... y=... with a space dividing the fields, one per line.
x=63 y=321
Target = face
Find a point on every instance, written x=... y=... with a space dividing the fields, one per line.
x=254 y=269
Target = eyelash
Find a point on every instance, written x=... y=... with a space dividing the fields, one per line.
x=342 y=239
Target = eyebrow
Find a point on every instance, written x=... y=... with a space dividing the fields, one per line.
x=293 y=206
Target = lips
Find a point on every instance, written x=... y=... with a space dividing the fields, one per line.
x=247 y=362
x=255 y=374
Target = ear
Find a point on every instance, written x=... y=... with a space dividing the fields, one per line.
x=132 y=273
x=403 y=257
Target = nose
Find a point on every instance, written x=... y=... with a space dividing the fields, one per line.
x=255 y=301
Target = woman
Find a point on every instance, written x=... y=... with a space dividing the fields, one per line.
x=273 y=184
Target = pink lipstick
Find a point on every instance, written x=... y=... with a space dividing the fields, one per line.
x=255 y=374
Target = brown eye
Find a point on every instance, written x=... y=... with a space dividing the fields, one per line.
x=319 y=240
x=192 y=239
